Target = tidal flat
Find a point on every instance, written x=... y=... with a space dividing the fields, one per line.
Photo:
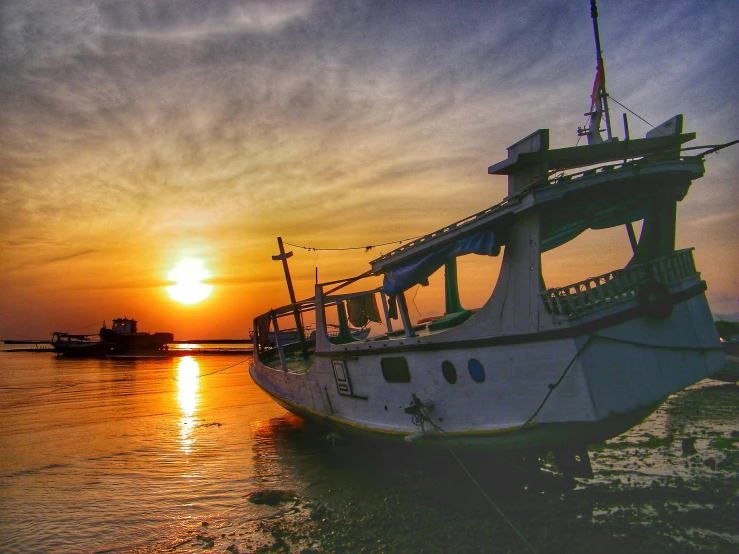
x=668 y=485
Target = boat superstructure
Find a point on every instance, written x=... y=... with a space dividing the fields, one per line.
x=125 y=337
x=534 y=367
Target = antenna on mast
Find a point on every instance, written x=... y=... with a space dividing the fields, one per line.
x=600 y=79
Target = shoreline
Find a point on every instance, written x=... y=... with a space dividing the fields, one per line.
x=174 y=353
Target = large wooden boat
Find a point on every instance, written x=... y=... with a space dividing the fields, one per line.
x=533 y=368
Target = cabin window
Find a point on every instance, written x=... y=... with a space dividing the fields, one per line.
x=476 y=278
x=449 y=372
x=593 y=252
x=395 y=370
x=477 y=372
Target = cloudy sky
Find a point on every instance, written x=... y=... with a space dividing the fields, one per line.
x=135 y=134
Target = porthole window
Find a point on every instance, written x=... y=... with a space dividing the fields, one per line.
x=477 y=372
x=449 y=372
x=395 y=370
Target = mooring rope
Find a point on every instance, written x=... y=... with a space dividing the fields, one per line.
x=426 y=417
x=555 y=385
x=500 y=512
x=219 y=370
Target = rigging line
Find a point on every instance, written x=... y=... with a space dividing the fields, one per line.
x=85 y=327
x=555 y=385
x=636 y=114
x=474 y=481
x=712 y=147
x=365 y=248
x=414 y=300
x=633 y=343
x=659 y=346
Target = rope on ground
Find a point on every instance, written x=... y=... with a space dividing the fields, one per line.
x=500 y=512
x=426 y=417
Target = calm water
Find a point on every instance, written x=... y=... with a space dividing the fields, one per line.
x=101 y=454
x=154 y=455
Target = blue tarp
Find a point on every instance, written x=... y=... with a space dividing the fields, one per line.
x=417 y=271
x=559 y=227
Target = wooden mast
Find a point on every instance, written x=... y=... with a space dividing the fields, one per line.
x=283 y=256
x=601 y=66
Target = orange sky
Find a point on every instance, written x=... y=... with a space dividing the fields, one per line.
x=139 y=134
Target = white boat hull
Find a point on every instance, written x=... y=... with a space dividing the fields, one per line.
x=577 y=385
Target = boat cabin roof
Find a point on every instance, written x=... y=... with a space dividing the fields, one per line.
x=650 y=157
x=581 y=156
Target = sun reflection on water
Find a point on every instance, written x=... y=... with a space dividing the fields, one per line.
x=188 y=381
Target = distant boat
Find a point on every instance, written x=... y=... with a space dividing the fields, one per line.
x=79 y=346
x=122 y=338
x=535 y=368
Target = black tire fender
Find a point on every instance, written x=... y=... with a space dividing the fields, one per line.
x=656 y=300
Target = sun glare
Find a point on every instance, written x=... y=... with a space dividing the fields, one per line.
x=188 y=276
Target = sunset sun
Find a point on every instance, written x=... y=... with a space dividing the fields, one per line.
x=188 y=276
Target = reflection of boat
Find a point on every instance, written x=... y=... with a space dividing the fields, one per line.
x=79 y=345
x=124 y=337
x=535 y=367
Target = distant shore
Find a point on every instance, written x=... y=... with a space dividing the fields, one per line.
x=45 y=346
x=191 y=341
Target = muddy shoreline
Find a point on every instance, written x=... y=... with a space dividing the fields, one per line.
x=668 y=485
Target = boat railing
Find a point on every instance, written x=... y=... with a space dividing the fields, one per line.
x=558 y=177
x=620 y=285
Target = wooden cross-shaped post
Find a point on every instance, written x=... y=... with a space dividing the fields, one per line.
x=283 y=256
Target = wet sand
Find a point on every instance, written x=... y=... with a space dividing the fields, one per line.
x=668 y=485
